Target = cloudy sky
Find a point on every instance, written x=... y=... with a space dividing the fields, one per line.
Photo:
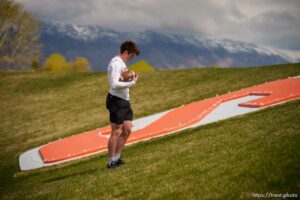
x=270 y=23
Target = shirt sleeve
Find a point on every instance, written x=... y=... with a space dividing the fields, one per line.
x=115 y=73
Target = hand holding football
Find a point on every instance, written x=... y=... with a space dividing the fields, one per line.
x=127 y=76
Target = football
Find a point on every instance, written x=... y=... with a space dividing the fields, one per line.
x=127 y=76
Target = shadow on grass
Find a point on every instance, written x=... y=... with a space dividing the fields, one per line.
x=81 y=173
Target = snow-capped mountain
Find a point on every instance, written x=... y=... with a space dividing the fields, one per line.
x=163 y=50
x=78 y=32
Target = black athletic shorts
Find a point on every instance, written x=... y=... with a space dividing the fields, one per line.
x=119 y=109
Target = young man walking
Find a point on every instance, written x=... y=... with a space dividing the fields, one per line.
x=117 y=102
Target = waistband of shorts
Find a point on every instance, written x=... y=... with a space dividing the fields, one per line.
x=109 y=94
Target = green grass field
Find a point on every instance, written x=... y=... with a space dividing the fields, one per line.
x=254 y=153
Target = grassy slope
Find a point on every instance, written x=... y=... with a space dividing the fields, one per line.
x=258 y=152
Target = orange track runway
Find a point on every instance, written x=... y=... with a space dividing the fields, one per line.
x=177 y=119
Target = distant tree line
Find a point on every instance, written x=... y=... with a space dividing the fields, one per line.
x=57 y=63
x=20 y=48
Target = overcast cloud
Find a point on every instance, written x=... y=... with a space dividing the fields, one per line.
x=273 y=23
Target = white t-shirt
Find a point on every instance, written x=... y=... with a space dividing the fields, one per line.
x=114 y=70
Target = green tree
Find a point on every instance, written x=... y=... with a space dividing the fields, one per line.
x=80 y=64
x=141 y=66
x=56 y=62
x=19 y=36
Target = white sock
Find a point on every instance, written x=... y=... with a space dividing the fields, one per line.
x=117 y=156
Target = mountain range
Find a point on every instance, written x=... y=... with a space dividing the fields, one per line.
x=163 y=50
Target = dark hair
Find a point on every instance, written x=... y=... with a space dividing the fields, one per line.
x=131 y=47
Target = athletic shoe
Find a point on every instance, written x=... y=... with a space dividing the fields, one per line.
x=120 y=162
x=112 y=165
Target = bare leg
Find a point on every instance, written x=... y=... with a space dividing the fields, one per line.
x=113 y=140
x=126 y=130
